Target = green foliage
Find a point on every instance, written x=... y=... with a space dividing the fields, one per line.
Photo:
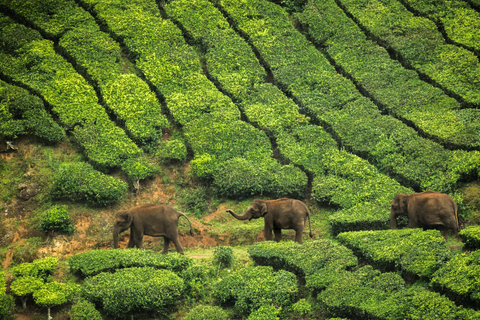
x=470 y=237
x=302 y=308
x=138 y=168
x=3 y=285
x=205 y=312
x=388 y=298
x=204 y=166
x=415 y=251
x=223 y=256
x=195 y=200
x=7 y=306
x=196 y=279
x=302 y=260
x=57 y=219
x=460 y=277
x=265 y=312
x=420 y=44
x=134 y=291
x=80 y=182
x=93 y=262
x=26 y=286
x=252 y=287
x=398 y=89
x=22 y=113
x=173 y=149
x=39 y=268
x=84 y=310
x=55 y=293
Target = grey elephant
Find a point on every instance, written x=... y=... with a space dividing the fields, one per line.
x=426 y=209
x=278 y=214
x=151 y=220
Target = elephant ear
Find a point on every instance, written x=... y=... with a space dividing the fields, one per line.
x=127 y=216
x=263 y=208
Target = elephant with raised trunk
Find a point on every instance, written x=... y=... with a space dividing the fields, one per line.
x=151 y=220
x=426 y=209
x=278 y=214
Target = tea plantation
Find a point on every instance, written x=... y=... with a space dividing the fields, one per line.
x=339 y=103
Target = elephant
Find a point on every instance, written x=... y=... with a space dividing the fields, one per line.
x=278 y=214
x=151 y=220
x=426 y=209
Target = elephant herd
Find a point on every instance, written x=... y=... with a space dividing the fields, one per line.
x=423 y=210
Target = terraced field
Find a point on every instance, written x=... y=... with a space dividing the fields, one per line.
x=348 y=102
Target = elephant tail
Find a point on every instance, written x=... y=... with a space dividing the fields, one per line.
x=309 y=223
x=181 y=214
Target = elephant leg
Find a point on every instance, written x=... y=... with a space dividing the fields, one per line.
x=166 y=244
x=299 y=236
x=278 y=234
x=178 y=246
x=131 y=241
x=268 y=233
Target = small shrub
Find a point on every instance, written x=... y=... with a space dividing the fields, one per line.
x=134 y=291
x=173 y=149
x=57 y=219
x=7 y=305
x=265 y=313
x=39 y=268
x=203 y=312
x=195 y=200
x=79 y=181
x=471 y=237
x=223 y=256
x=196 y=282
x=253 y=287
x=302 y=308
x=84 y=310
x=204 y=166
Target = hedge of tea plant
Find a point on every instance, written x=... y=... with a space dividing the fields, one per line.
x=420 y=45
x=80 y=38
x=134 y=292
x=7 y=302
x=393 y=87
x=458 y=278
x=470 y=237
x=303 y=260
x=459 y=20
x=206 y=312
x=413 y=251
x=84 y=310
x=79 y=181
x=29 y=59
x=39 y=268
x=250 y=288
x=23 y=113
x=210 y=120
x=93 y=262
x=369 y=294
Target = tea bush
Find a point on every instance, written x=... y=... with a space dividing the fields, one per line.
x=470 y=237
x=39 y=268
x=253 y=287
x=134 y=291
x=223 y=256
x=25 y=114
x=80 y=182
x=415 y=251
x=7 y=302
x=205 y=312
x=459 y=277
x=302 y=260
x=84 y=310
x=93 y=262
x=57 y=219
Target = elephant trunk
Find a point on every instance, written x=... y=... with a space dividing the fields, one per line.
x=245 y=216
x=393 y=220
